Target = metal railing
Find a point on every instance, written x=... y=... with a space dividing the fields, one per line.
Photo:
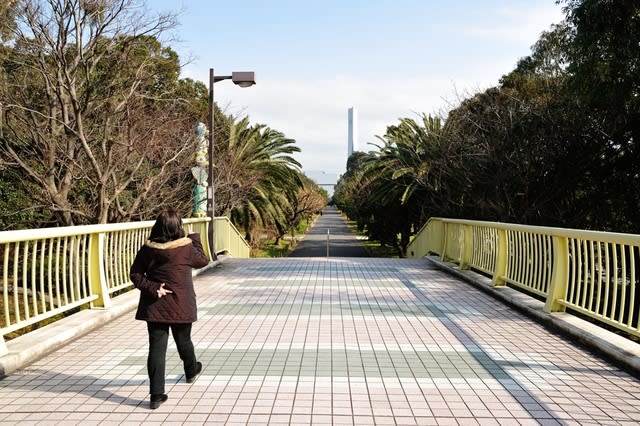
x=592 y=273
x=228 y=239
x=52 y=271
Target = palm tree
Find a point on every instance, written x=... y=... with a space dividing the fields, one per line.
x=256 y=176
x=404 y=177
x=394 y=191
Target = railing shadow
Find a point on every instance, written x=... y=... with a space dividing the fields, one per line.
x=56 y=383
x=496 y=368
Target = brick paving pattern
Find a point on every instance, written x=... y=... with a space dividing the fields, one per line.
x=344 y=341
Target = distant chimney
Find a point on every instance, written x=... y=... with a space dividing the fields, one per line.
x=353 y=131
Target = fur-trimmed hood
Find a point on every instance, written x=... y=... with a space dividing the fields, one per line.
x=180 y=242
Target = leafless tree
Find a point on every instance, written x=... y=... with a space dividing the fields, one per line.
x=90 y=116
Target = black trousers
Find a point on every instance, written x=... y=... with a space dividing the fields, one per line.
x=156 y=361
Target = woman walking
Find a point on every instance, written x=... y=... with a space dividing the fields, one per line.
x=162 y=273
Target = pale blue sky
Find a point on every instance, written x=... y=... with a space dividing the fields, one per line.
x=386 y=58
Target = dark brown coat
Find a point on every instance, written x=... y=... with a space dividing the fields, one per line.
x=169 y=263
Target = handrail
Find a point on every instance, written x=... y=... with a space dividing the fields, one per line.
x=229 y=239
x=588 y=272
x=52 y=271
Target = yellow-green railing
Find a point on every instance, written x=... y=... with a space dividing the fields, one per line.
x=228 y=239
x=593 y=273
x=47 y=272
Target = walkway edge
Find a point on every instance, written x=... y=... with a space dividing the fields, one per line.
x=617 y=348
x=30 y=347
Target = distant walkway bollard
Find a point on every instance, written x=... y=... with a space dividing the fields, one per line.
x=328 y=233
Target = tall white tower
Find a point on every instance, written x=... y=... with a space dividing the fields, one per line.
x=353 y=131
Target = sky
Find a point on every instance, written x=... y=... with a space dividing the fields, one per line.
x=388 y=59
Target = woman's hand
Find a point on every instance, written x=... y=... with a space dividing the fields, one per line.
x=163 y=291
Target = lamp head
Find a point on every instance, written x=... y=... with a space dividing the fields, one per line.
x=243 y=78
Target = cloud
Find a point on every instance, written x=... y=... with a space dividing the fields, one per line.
x=516 y=25
x=312 y=108
x=314 y=113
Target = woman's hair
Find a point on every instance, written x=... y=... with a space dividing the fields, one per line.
x=168 y=227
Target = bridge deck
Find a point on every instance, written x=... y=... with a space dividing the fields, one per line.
x=332 y=340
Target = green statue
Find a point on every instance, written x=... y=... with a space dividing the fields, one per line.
x=199 y=172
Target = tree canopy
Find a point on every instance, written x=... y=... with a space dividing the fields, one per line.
x=555 y=143
x=97 y=126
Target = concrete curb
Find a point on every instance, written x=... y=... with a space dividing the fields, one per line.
x=30 y=347
x=615 y=347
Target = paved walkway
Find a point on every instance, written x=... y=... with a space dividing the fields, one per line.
x=332 y=341
x=329 y=237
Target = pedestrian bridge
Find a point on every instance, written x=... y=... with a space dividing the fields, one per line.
x=438 y=339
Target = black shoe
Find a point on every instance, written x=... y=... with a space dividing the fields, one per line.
x=191 y=379
x=158 y=399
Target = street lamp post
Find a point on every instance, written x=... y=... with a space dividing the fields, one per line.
x=242 y=79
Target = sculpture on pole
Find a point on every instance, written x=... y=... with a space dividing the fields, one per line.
x=200 y=172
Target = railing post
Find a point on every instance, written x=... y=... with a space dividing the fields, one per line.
x=206 y=244
x=97 y=276
x=501 y=259
x=466 y=251
x=445 y=239
x=230 y=240
x=559 y=276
